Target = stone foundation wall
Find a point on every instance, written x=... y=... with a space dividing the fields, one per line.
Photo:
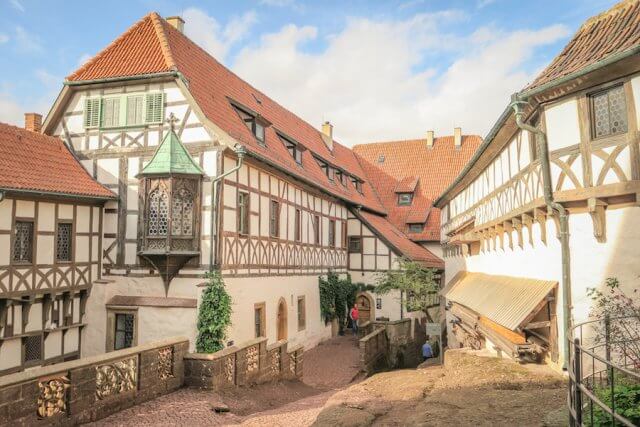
x=390 y=345
x=252 y=362
x=92 y=388
x=374 y=349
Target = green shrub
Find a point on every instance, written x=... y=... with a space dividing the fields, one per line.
x=336 y=297
x=214 y=315
x=627 y=404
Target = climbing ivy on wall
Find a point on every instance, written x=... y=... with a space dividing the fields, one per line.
x=336 y=296
x=214 y=315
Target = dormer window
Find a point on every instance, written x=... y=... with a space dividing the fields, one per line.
x=253 y=123
x=381 y=158
x=294 y=149
x=405 y=199
x=416 y=228
x=340 y=176
x=357 y=184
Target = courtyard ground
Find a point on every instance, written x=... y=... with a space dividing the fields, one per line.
x=469 y=390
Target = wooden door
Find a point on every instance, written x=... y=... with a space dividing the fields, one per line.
x=364 y=307
x=282 y=320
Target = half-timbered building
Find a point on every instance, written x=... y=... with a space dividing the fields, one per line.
x=50 y=227
x=210 y=173
x=548 y=205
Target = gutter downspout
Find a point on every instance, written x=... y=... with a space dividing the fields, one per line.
x=543 y=154
x=240 y=152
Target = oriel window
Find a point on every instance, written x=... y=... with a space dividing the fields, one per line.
x=158 y=212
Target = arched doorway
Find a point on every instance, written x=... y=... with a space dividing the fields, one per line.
x=282 y=320
x=365 y=307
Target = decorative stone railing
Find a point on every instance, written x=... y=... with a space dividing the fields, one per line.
x=373 y=351
x=92 y=388
x=252 y=362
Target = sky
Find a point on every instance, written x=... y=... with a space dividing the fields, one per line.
x=378 y=70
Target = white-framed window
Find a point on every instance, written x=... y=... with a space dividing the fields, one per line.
x=113 y=111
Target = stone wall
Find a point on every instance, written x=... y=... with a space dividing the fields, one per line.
x=88 y=389
x=252 y=362
x=390 y=345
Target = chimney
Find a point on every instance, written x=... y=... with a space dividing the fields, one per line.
x=327 y=134
x=457 y=137
x=33 y=122
x=429 y=139
x=177 y=22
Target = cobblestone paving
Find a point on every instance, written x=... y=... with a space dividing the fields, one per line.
x=327 y=367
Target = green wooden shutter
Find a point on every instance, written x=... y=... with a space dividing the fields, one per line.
x=154 y=108
x=92 y=112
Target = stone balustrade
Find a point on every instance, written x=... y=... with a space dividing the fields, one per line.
x=251 y=362
x=373 y=351
x=92 y=388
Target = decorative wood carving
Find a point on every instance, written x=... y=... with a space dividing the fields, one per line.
x=597 y=211
x=527 y=221
x=508 y=228
x=517 y=225
x=540 y=217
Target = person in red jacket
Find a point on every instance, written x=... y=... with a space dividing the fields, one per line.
x=353 y=315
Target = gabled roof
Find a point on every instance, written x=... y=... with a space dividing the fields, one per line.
x=606 y=34
x=154 y=46
x=172 y=157
x=36 y=163
x=399 y=241
x=411 y=163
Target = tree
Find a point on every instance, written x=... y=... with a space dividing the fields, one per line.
x=419 y=283
x=214 y=315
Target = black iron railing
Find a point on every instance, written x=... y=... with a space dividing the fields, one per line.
x=604 y=372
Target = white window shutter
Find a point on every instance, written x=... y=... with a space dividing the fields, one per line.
x=111 y=112
x=92 y=112
x=154 y=107
x=135 y=108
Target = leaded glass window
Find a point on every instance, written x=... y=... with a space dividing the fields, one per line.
x=23 y=243
x=158 y=217
x=63 y=242
x=182 y=213
x=609 y=112
x=32 y=348
x=124 y=331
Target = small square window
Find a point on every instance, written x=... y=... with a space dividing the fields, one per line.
x=405 y=199
x=23 y=242
x=355 y=244
x=416 y=228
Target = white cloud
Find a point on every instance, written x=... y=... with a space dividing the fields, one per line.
x=84 y=58
x=278 y=3
x=378 y=80
x=484 y=3
x=3 y=38
x=10 y=111
x=207 y=32
x=27 y=41
x=17 y=5
x=12 y=107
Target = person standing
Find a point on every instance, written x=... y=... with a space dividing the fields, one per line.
x=353 y=315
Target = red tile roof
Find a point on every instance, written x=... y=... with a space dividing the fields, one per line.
x=400 y=242
x=404 y=161
x=152 y=46
x=608 y=33
x=35 y=162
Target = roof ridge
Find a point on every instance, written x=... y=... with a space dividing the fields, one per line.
x=397 y=141
x=113 y=43
x=158 y=25
x=616 y=8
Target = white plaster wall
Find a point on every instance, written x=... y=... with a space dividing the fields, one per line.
x=563 y=128
x=246 y=292
x=591 y=262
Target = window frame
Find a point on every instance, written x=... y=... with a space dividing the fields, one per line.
x=294 y=149
x=122 y=121
x=411 y=225
x=71 y=249
x=297 y=233
x=592 y=117
x=112 y=313
x=316 y=230
x=302 y=314
x=343 y=234
x=252 y=121
x=332 y=233
x=23 y=356
x=243 y=222
x=274 y=218
x=14 y=233
x=400 y=202
x=351 y=247
x=261 y=307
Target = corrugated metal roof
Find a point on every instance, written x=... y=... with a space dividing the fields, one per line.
x=505 y=300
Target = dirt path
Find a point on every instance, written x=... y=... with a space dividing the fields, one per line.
x=468 y=391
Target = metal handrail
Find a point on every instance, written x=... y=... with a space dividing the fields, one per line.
x=579 y=382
